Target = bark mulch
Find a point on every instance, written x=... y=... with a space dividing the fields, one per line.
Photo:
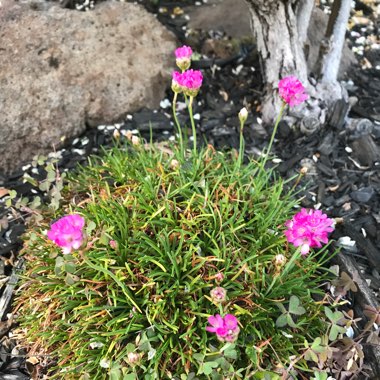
x=342 y=158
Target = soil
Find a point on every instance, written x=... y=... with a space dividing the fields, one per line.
x=342 y=159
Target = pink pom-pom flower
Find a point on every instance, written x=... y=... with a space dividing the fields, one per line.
x=183 y=52
x=190 y=81
x=292 y=91
x=176 y=79
x=226 y=328
x=183 y=57
x=309 y=229
x=67 y=232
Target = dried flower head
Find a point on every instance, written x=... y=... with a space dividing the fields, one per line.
x=174 y=164
x=292 y=91
x=67 y=232
x=309 y=229
x=279 y=260
x=133 y=358
x=226 y=328
x=218 y=294
x=135 y=140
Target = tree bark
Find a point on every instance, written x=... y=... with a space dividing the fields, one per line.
x=280 y=28
x=275 y=26
x=335 y=36
x=304 y=12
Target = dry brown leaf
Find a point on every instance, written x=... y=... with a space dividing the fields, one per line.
x=3 y=191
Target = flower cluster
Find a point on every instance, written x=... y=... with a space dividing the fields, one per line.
x=67 y=232
x=292 y=91
x=226 y=328
x=188 y=81
x=308 y=229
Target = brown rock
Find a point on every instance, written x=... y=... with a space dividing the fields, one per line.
x=63 y=69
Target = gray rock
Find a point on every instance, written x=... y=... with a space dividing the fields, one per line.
x=62 y=70
x=229 y=16
x=363 y=195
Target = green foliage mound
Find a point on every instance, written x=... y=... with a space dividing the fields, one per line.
x=133 y=301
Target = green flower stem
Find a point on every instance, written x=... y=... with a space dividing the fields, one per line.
x=274 y=133
x=174 y=108
x=241 y=145
x=190 y=108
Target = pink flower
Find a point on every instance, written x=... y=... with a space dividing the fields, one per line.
x=226 y=329
x=308 y=229
x=183 y=52
x=183 y=57
x=219 y=277
x=292 y=91
x=67 y=232
x=176 y=79
x=113 y=244
x=189 y=82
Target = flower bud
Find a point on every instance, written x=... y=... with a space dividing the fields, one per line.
x=135 y=140
x=243 y=114
x=174 y=164
x=116 y=134
x=219 y=277
x=113 y=244
x=218 y=294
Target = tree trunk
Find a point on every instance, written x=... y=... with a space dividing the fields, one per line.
x=280 y=28
x=335 y=36
x=274 y=24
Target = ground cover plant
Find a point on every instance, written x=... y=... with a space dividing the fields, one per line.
x=170 y=262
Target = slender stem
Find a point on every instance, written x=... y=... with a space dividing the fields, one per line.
x=179 y=130
x=241 y=145
x=274 y=133
x=190 y=108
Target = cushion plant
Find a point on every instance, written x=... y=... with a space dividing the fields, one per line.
x=170 y=263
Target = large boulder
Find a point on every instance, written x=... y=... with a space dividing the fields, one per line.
x=62 y=70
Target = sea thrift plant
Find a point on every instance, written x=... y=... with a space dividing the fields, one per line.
x=183 y=57
x=292 y=91
x=67 y=232
x=226 y=328
x=309 y=229
x=166 y=227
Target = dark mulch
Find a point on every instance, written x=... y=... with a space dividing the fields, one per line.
x=343 y=161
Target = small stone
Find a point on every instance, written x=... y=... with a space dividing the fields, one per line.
x=363 y=195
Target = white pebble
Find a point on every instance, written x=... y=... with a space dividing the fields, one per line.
x=165 y=103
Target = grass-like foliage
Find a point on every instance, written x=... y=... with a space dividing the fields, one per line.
x=162 y=232
x=170 y=263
